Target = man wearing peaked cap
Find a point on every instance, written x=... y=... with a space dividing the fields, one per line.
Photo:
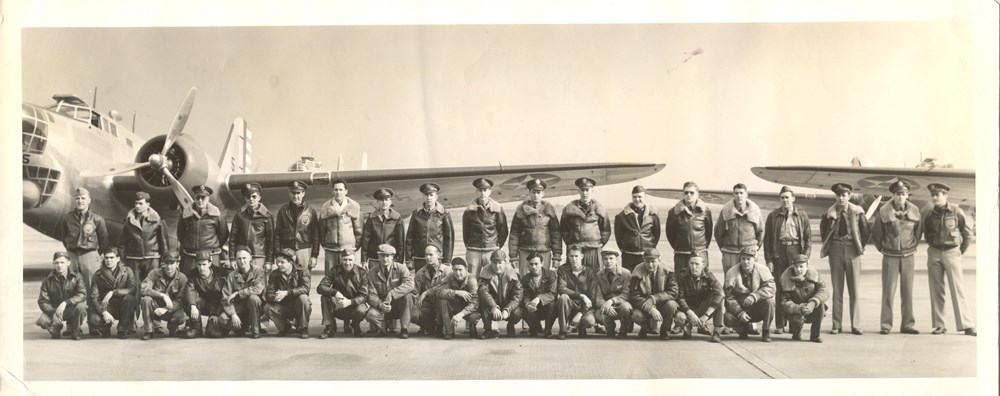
x=948 y=232
x=143 y=239
x=844 y=231
x=636 y=227
x=484 y=226
x=296 y=227
x=62 y=299
x=585 y=223
x=84 y=234
x=253 y=227
x=162 y=296
x=389 y=287
x=787 y=235
x=429 y=224
x=339 y=225
x=534 y=228
x=384 y=225
x=202 y=227
x=895 y=233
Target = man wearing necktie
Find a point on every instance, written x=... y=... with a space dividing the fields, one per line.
x=383 y=225
x=844 y=231
x=787 y=235
x=948 y=233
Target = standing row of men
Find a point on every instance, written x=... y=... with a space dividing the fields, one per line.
x=535 y=230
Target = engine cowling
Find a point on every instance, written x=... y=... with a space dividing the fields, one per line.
x=186 y=160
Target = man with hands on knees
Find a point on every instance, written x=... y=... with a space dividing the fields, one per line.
x=699 y=300
x=288 y=296
x=458 y=299
x=612 y=295
x=204 y=298
x=112 y=297
x=62 y=299
x=242 y=295
x=653 y=289
x=389 y=286
x=749 y=291
x=161 y=292
x=344 y=292
x=575 y=284
x=539 y=291
x=500 y=294
x=803 y=299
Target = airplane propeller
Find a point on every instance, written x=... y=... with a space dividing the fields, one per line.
x=158 y=161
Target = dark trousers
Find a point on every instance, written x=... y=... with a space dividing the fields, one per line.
x=782 y=260
x=398 y=309
x=174 y=318
x=208 y=310
x=566 y=308
x=353 y=313
x=630 y=261
x=795 y=321
x=760 y=311
x=449 y=307
x=121 y=307
x=72 y=317
x=296 y=308
x=512 y=320
x=624 y=314
x=249 y=311
x=423 y=314
x=534 y=319
x=592 y=258
x=700 y=308
x=142 y=268
x=667 y=310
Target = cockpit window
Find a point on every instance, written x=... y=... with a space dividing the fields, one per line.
x=34 y=130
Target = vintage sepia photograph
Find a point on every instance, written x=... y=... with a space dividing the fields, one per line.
x=500 y=200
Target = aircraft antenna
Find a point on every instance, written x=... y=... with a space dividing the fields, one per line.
x=501 y=165
x=94 y=103
x=133 y=120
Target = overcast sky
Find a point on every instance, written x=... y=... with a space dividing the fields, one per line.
x=710 y=100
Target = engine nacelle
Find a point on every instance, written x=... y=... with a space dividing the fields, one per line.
x=186 y=161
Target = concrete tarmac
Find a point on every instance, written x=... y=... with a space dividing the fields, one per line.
x=426 y=358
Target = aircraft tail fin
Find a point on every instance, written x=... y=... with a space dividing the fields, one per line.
x=859 y=162
x=364 y=161
x=237 y=153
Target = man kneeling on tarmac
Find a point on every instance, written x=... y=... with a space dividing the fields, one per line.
x=288 y=295
x=803 y=298
x=699 y=300
x=204 y=298
x=458 y=299
x=161 y=288
x=241 y=297
x=749 y=295
x=112 y=297
x=62 y=299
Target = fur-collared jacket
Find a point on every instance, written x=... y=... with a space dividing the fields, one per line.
x=587 y=227
x=857 y=227
x=800 y=290
x=340 y=225
x=202 y=231
x=428 y=227
x=895 y=233
x=536 y=229
x=253 y=228
x=632 y=234
x=484 y=226
x=689 y=230
x=143 y=235
x=736 y=229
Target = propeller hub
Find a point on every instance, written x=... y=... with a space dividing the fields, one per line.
x=157 y=161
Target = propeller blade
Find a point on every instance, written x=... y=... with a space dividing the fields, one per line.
x=177 y=128
x=113 y=169
x=873 y=208
x=182 y=195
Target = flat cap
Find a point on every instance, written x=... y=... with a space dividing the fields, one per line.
x=649 y=253
x=171 y=256
x=297 y=186
x=482 y=183
x=748 y=251
x=786 y=189
x=59 y=255
x=610 y=252
x=80 y=191
x=638 y=189
x=800 y=259
x=536 y=184
x=203 y=255
x=584 y=182
x=287 y=253
x=459 y=261
x=839 y=188
x=142 y=195
x=499 y=255
x=935 y=187
x=386 y=248
x=201 y=190
x=428 y=188
x=250 y=188
x=383 y=193
x=242 y=248
x=899 y=185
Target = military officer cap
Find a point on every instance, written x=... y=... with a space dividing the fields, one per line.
x=142 y=195
x=250 y=188
x=840 y=188
x=201 y=190
x=536 y=184
x=482 y=183
x=59 y=255
x=499 y=255
x=386 y=248
x=242 y=248
x=171 y=257
x=800 y=259
x=585 y=182
x=459 y=261
x=610 y=252
x=80 y=191
x=428 y=188
x=938 y=187
x=384 y=193
x=899 y=184
x=297 y=186
x=287 y=253
x=748 y=251
x=649 y=253
x=347 y=252
x=638 y=189
x=203 y=255
x=786 y=189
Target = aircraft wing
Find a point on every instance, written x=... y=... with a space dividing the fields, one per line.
x=813 y=204
x=876 y=180
x=456 y=183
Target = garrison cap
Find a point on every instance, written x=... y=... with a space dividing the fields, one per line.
x=203 y=255
x=936 y=187
x=142 y=195
x=649 y=253
x=585 y=182
x=750 y=251
x=800 y=259
x=383 y=193
x=297 y=186
x=698 y=255
x=499 y=255
x=81 y=191
x=428 y=188
x=638 y=189
x=482 y=183
x=610 y=252
x=171 y=257
x=250 y=188
x=839 y=188
x=459 y=261
x=898 y=185
x=201 y=190
x=287 y=253
x=386 y=248
x=536 y=184
x=59 y=255
x=786 y=189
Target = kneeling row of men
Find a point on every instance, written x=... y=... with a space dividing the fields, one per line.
x=436 y=297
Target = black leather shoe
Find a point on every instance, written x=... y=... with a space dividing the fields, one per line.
x=304 y=334
x=856 y=331
x=816 y=340
x=765 y=336
x=146 y=336
x=716 y=337
x=76 y=336
x=561 y=336
x=970 y=331
x=910 y=331
x=796 y=336
x=643 y=332
x=404 y=334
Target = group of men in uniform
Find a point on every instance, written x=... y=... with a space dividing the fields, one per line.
x=408 y=274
